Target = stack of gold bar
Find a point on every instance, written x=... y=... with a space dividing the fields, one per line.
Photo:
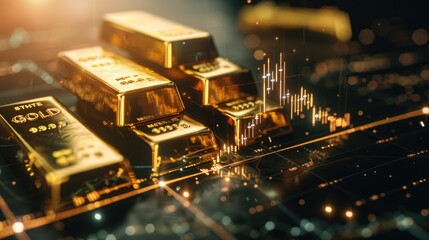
x=217 y=92
x=136 y=110
x=67 y=162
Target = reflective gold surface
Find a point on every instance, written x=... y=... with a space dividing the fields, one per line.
x=178 y=143
x=156 y=147
x=125 y=92
x=249 y=122
x=220 y=81
x=62 y=153
x=152 y=104
x=157 y=40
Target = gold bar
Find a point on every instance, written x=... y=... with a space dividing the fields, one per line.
x=231 y=120
x=125 y=92
x=331 y=22
x=62 y=154
x=185 y=143
x=216 y=82
x=157 y=147
x=157 y=40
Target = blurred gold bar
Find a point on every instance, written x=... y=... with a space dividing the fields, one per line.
x=157 y=40
x=324 y=20
x=125 y=92
x=62 y=155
